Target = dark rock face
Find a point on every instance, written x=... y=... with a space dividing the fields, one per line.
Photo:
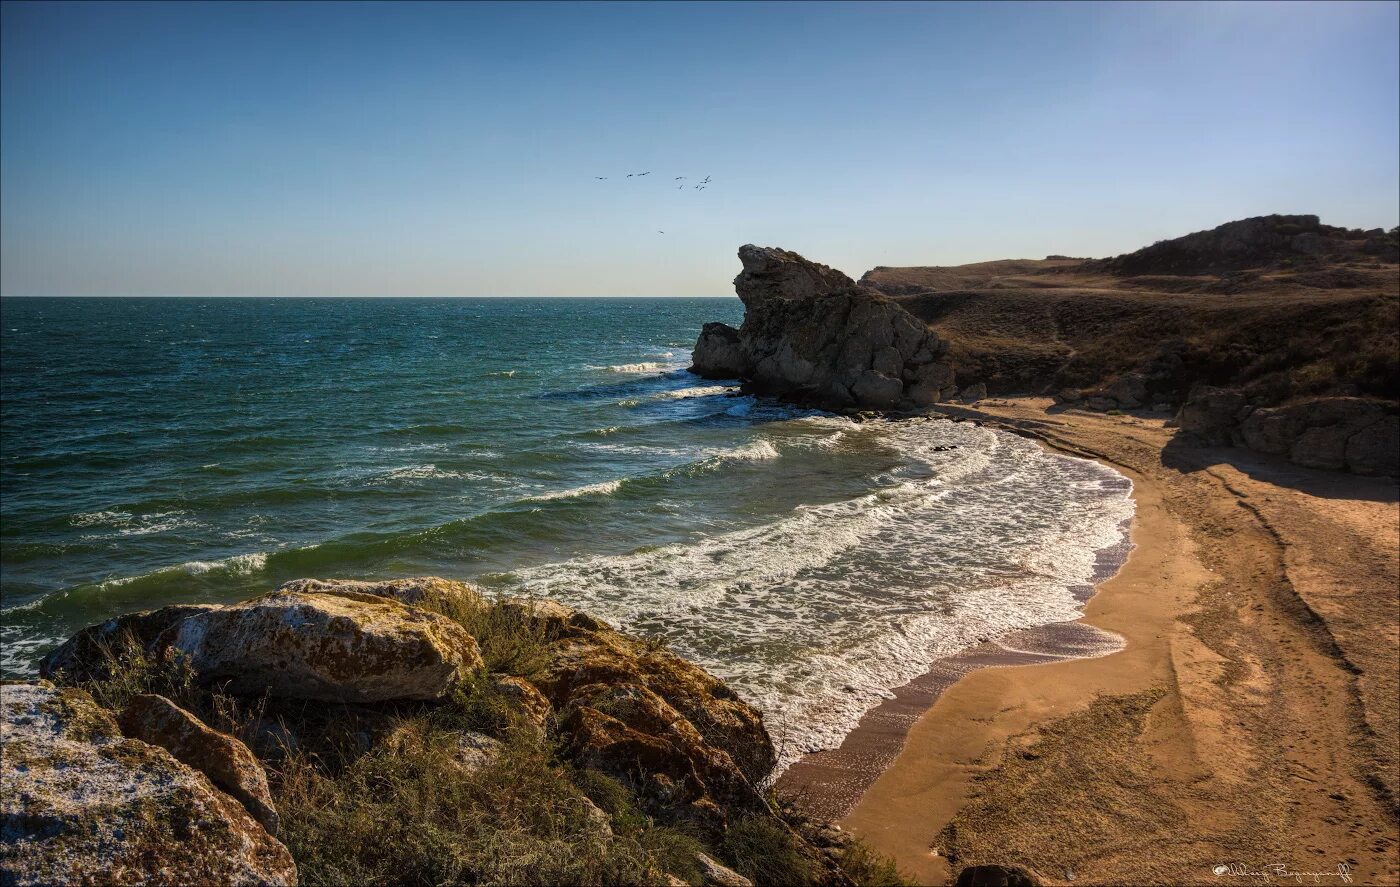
x=994 y=876
x=1253 y=243
x=811 y=334
x=719 y=354
x=1340 y=433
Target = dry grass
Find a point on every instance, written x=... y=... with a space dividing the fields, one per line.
x=405 y=809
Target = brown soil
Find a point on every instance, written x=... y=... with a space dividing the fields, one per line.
x=1251 y=719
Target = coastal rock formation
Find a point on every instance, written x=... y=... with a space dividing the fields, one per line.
x=642 y=714
x=342 y=647
x=623 y=714
x=88 y=654
x=811 y=334
x=227 y=762
x=1356 y=434
x=81 y=804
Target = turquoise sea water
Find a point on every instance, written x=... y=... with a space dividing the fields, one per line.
x=155 y=451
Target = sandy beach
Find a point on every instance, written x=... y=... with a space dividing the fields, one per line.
x=1250 y=721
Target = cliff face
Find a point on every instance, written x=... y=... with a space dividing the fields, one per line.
x=811 y=334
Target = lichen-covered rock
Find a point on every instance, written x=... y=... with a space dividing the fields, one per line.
x=1362 y=436
x=228 y=763
x=88 y=654
x=80 y=804
x=680 y=737
x=342 y=647
x=810 y=333
x=525 y=697
x=412 y=591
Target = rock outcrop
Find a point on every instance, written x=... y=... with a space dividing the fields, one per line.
x=688 y=746
x=341 y=647
x=681 y=745
x=1256 y=242
x=81 y=804
x=1349 y=433
x=811 y=334
x=228 y=763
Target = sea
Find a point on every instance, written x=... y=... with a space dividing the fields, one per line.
x=168 y=450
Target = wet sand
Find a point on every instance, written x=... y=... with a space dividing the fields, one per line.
x=1250 y=719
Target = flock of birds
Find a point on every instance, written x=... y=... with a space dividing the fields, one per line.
x=704 y=183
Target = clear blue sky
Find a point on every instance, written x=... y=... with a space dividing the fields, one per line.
x=450 y=150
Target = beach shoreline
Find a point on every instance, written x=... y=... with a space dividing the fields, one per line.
x=1218 y=684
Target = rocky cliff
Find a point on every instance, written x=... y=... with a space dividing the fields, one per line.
x=1288 y=316
x=811 y=334
x=403 y=731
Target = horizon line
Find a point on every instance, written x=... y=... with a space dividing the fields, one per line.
x=268 y=296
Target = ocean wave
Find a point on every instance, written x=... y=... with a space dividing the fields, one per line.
x=598 y=489
x=238 y=565
x=649 y=366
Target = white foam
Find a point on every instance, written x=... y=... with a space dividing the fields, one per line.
x=238 y=565
x=101 y=519
x=817 y=615
x=421 y=472
x=650 y=366
x=598 y=489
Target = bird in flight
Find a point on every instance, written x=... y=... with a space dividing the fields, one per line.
x=660 y=232
x=629 y=175
x=677 y=178
x=647 y=173
x=600 y=177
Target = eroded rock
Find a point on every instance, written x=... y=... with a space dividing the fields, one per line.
x=812 y=334
x=228 y=763
x=649 y=718
x=81 y=804
x=342 y=647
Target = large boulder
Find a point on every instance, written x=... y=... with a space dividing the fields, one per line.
x=1351 y=433
x=80 y=804
x=681 y=738
x=1212 y=414
x=343 y=647
x=1340 y=433
x=228 y=763
x=89 y=654
x=812 y=334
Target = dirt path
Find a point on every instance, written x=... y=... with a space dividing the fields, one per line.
x=1250 y=721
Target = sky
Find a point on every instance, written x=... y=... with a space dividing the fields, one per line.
x=439 y=149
